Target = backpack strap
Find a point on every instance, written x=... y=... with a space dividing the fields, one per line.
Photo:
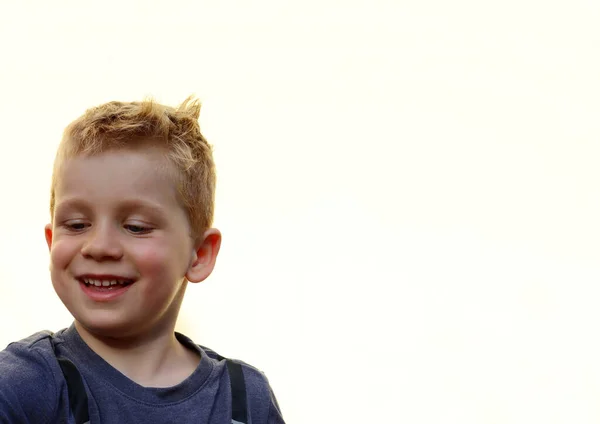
x=78 y=400
x=239 y=407
x=239 y=410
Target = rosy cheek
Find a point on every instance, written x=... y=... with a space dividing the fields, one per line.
x=152 y=259
x=62 y=252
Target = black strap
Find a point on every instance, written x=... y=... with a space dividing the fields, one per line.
x=78 y=400
x=239 y=412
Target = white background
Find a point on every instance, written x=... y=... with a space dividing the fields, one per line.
x=408 y=191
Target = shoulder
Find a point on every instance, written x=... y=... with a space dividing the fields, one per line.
x=262 y=402
x=26 y=358
x=28 y=381
x=254 y=378
x=261 y=398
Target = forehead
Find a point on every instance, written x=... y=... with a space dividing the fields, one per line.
x=119 y=175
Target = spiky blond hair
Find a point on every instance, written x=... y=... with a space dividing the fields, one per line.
x=116 y=125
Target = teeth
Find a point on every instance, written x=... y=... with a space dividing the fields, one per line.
x=103 y=283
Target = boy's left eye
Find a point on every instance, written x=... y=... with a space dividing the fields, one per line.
x=137 y=229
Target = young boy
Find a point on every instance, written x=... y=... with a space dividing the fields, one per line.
x=132 y=202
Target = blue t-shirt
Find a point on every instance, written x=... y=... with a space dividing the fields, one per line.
x=33 y=389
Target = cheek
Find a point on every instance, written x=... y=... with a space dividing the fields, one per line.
x=155 y=260
x=62 y=253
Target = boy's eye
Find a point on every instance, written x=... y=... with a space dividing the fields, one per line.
x=137 y=229
x=75 y=226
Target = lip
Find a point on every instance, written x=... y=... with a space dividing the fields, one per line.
x=103 y=295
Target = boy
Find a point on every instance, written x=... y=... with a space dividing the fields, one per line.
x=131 y=211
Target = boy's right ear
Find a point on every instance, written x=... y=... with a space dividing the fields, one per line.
x=48 y=234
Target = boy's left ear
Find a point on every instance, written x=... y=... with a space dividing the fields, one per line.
x=205 y=256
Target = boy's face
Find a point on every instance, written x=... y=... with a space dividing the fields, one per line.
x=118 y=219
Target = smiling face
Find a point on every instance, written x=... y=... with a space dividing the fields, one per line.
x=117 y=217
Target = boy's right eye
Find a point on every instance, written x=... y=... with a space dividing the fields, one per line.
x=75 y=226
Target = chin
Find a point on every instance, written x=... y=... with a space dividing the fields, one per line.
x=105 y=323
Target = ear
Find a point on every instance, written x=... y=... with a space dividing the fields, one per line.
x=205 y=256
x=48 y=233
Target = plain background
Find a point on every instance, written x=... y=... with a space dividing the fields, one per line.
x=408 y=191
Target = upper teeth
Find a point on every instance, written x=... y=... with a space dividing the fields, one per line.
x=105 y=283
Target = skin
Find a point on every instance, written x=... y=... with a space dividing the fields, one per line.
x=118 y=213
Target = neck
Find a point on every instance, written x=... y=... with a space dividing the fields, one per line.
x=155 y=359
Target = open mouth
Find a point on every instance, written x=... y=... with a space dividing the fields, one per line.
x=104 y=288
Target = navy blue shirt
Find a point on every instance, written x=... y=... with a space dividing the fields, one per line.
x=33 y=389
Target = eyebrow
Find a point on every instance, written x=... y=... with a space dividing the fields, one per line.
x=71 y=202
x=127 y=205
x=131 y=204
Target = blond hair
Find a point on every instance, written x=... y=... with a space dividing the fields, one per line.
x=121 y=125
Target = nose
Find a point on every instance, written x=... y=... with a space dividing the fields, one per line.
x=102 y=244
